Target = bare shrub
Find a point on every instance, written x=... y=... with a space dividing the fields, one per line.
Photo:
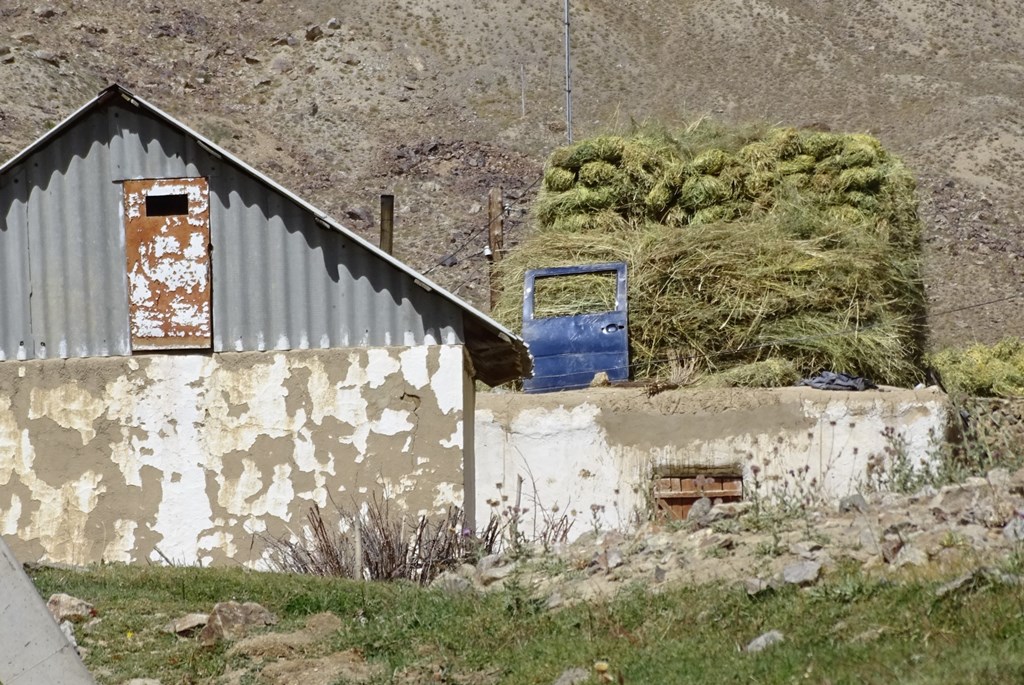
x=386 y=545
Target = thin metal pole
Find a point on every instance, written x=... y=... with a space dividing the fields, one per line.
x=568 y=79
x=522 y=88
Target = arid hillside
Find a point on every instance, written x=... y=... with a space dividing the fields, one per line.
x=439 y=101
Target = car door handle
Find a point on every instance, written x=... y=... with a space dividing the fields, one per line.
x=612 y=328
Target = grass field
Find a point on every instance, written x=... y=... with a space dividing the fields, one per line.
x=848 y=629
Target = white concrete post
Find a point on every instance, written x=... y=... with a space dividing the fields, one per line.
x=33 y=650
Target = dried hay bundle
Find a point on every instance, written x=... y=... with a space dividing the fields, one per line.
x=770 y=373
x=588 y=293
x=665 y=192
x=795 y=182
x=597 y=174
x=846 y=214
x=600 y=149
x=645 y=158
x=706 y=134
x=821 y=145
x=578 y=200
x=744 y=247
x=711 y=162
x=787 y=142
x=722 y=212
x=661 y=197
x=856 y=151
x=799 y=164
x=607 y=221
x=558 y=179
x=677 y=217
x=822 y=181
x=860 y=178
x=760 y=156
x=760 y=185
x=866 y=202
x=735 y=176
x=699 y=192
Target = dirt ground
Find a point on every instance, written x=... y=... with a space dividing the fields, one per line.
x=963 y=533
x=438 y=102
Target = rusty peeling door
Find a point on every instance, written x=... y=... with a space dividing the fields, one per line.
x=167 y=240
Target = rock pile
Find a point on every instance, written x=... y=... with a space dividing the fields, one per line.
x=954 y=529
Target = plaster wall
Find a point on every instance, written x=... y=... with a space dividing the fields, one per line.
x=593 y=454
x=192 y=457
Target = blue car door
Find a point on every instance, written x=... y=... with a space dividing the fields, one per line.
x=569 y=350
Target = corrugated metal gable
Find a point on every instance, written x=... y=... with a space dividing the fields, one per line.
x=281 y=280
x=285 y=274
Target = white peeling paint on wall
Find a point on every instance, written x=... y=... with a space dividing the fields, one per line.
x=192 y=454
x=455 y=439
x=414 y=362
x=119 y=549
x=68 y=405
x=392 y=422
x=9 y=521
x=446 y=494
x=46 y=520
x=544 y=453
x=266 y=412
x=447 y=380
x=381 y=365
x=548 y=460
x=163 y=406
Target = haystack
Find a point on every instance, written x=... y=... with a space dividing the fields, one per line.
x=743 y=246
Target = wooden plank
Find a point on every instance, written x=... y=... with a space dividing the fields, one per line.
x=387 y=223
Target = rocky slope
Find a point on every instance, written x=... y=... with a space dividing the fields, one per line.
x=958 y=530
x=437 y=102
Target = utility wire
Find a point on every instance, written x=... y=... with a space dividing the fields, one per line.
x=480 y=229
x=970 y=306
x=475 y=273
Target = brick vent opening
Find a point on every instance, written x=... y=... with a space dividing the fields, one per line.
x=675 y=496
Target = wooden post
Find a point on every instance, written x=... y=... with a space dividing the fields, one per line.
x=387 y=223
x=357 y=543
x=495 y=236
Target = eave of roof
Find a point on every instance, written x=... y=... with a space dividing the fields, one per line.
x=498 y=354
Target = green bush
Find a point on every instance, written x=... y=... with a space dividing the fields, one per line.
x=983 y=370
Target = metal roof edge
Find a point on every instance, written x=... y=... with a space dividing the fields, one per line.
x=103 y=95
x=516 y=342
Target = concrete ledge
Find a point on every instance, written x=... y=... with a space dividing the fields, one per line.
x=593 y=453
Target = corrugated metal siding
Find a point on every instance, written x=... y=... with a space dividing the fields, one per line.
x=75 y=246
x=280 y=279
x=143 y=147
x=15 y=322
